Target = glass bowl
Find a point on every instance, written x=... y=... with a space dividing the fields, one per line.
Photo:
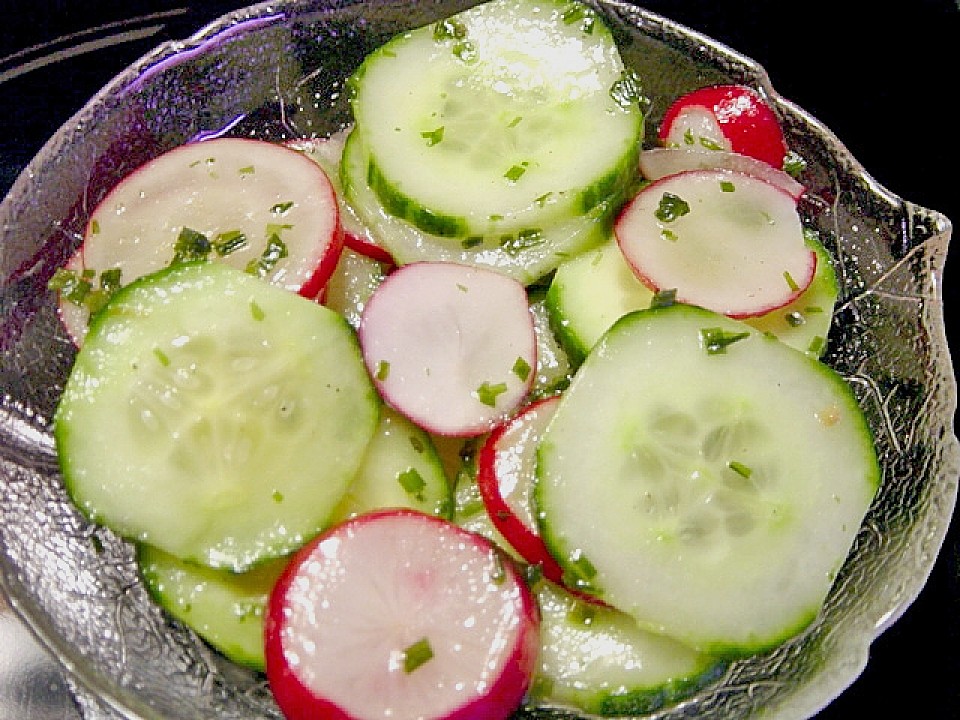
x=277 y=71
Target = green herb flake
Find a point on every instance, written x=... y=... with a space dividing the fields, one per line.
x=94 y=227
x=582 y=614
x=227 y=243
x=449 y=29
x=627 y=91
x=282 y=207
x=813 y=309
x=247 y=170
x=579 y=572
x=417 y=444
x=709 y=144
x=433 y=137
x=791 y=283
x=794 y=319
x=256 y=312
x=191 y=245
x=277 y=496
x=527 y=238
x=465 y=51
x=664 y=298
x=487 y=393
x=740 y=469
x=521 y=368
x=416 y=655
x=412 y=482
x=668 y=234
x=727 y=186
x=516 y=171
x=383 y=370
x=162 y=357
x=471 y=242
x=671 y=207
x=817 y=345
x=516 y=121
x=716 y=340
x=794 y=163
x=110 y=280
x=577 y=13
x=274 y=252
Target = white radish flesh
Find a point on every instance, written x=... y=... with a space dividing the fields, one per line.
x=725 y=241
x=397 y=614
x=257 y=205
x=657 y=163
x=451 y=347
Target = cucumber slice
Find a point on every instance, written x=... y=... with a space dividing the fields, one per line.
x=352 y=284
x=590 y=292
x=478 y=125
x=400 y=469
x=705 y=478
x=525 y=255
x=598 y=660
x=224 y=608
x=214 y=416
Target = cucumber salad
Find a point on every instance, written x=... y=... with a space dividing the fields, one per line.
x=485 y=401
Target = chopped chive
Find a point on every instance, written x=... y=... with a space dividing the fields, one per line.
x=110 y=280
x=449 y=29
x=256 y=311
x=794 y=163
x=433 y=136
x=727 y=186
x=709 y=144
x=740 y=469
x=162 y=357
x=664 y=298
x=794 y=319
x=94 y=227
x=276 y=229
x=417 y=444
x=383 y=370
x=516 y=171
x=277 y=496
x=281 y=208
x=521 y=368
x=671 y=207
x=465 y=51
x=191 y=245
x=471 y=242
x=516 y=121
x=487 y=393
x=668 y=234
x=791 y=283
x=527 y=238
x=716 y=340
x=813 y=309
x=247 y=170
x=412 y=482
x=229 y=242
x=688 y=137
x=580 y=572
x=416 y=655
x=275 y=251
x=817 y=344
x=627 y=91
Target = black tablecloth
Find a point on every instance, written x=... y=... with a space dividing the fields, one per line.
x=880 y=76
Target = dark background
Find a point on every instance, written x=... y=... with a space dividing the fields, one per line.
x=881 y=76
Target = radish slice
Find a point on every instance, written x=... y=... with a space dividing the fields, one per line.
x=657 y=163
x=450 y=346
x=725 y=117
x=397 y=614
x=506 y=470
x=252 y=204
x=726 y=241
x=327 y=152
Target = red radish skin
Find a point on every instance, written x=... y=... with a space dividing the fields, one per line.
x=218 y=187
x=657 y=163
x=326 y=152
x=505 y=475
x=353 y=600
x=734 y=116
x=450 y=346
x=738 y=249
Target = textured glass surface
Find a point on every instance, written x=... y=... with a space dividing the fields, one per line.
x=277 y=71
